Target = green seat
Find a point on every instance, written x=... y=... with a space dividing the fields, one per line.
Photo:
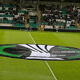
x=6 y=16
x=19 y=25
x=72 y=28
x=22 y=11
x=33 y=25
x=10 y=21
x=7 y=5
x=0 y=5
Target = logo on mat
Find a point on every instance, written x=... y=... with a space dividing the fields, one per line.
x=39 y=52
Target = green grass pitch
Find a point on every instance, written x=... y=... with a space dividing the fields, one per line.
x=18 y=69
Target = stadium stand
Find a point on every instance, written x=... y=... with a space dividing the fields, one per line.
x=51 y=16
x=11 y=14
x=59 y=17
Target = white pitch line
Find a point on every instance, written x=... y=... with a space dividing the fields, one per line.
x=45 y=61
x=51 y=70
x=31 y=37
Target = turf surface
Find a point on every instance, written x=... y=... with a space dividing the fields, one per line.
x=17 y=69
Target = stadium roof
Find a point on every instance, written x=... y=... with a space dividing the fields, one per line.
x=76 y=1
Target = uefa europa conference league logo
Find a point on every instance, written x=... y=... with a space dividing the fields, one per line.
x=39 y=52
